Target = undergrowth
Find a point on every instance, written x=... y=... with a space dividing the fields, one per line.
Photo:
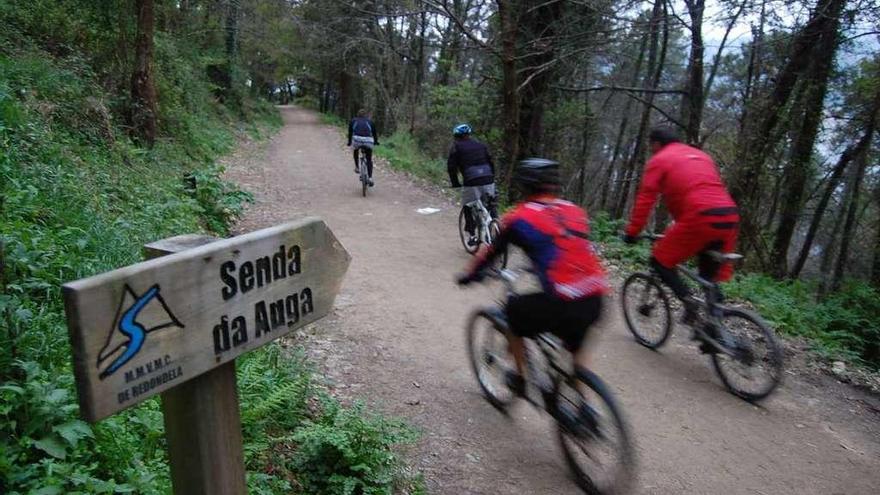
x=79 y=198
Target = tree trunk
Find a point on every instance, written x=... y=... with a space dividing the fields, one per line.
x=607 y=183
x=652 y=80
x=144 y=112
x=692 y=100
x=797 y=173
x=846 y=238
x=875 y=265
x=510 y=96
x=757 y=140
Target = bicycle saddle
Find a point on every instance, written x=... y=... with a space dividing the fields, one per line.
x=724 y=257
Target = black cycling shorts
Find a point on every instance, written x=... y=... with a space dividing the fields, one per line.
x=532 y=314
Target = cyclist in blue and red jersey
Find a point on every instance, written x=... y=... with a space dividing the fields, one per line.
x=553 y=234
x=705 y=215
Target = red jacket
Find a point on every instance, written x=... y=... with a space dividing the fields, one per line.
x=553 y=233
x=688 y=180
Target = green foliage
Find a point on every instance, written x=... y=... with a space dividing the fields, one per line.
x=221 y=201
x=452 y=105
x=347 y=451
x=844 y=325
x=402 y=153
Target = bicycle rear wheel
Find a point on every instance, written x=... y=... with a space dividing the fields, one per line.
x=755 y=369
x=646 y=310
x=494 y=231
x=489 y=357
x=596 y=441
x=463 y=233
x=364 y=176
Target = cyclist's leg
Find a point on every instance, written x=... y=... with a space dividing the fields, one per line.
x=581 y=316
x=680 y=241
x=355 y=154
x=468 y=195
x=528 y=315
x=492 y=201
x=369 y=152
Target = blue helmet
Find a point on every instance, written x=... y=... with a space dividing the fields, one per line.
x=461 y=130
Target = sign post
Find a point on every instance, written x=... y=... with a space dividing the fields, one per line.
x=175 y=324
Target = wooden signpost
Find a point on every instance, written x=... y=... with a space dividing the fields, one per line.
x=175 y=324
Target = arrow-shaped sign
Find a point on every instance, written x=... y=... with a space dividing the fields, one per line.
x=148 y=327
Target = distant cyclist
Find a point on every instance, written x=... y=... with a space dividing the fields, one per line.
x=471 y=159
x=362 y=132
x=705 y=215
x=553 y=234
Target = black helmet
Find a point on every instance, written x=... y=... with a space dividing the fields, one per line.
x=537 y=173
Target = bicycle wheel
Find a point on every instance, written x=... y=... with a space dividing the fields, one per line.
x=494 y=231
x=364 y=177
x=755 y=369
x=489 y=357
x=463 y=233
x=646 y=310
x=596 y=444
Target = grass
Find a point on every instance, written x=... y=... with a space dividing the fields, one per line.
x=402 y=152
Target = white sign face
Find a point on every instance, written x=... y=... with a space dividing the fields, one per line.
x=148 y=327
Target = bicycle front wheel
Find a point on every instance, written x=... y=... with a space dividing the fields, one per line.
x=646 y=310
x=594 y=435
x=463 y=233
x=489 y=357
x=754 y=368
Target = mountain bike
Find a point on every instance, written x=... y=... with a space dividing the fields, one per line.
x=742 y=346
x=487 y=228
x=597 y=446
x=362 y=169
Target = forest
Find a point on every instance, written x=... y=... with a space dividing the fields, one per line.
x=114 y=114
x=784 y=95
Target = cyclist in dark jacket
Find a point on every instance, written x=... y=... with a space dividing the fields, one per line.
x=471 y=159
x=362 y=132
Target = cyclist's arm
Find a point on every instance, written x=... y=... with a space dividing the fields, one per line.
x=499 y=245
x=452 y=167
x=646 y=198
x=350 y=130
x=373 y=130
x=489 y=159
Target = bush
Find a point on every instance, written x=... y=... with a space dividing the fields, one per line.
x=346 y=451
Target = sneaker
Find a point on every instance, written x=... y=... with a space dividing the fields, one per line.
x=472 y=241
x=357 y=170
x=516 y=383
x=370 y=182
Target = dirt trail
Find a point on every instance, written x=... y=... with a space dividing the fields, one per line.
x=396 y=341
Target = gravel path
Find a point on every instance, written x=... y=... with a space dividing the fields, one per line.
x=396 y=341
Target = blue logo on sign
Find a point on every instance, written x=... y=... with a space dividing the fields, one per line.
x=138 y=315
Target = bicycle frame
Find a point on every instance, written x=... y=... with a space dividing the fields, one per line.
x=547 y=343
x=483 y=219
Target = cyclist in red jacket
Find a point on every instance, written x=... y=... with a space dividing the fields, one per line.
x=553 y=234
x=705 y=215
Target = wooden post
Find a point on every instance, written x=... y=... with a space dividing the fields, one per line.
x=202 y=418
